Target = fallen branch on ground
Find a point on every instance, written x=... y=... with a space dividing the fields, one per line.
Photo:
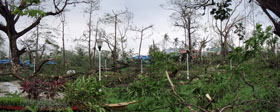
x=180 y=98
x=248 y=101
x=14 y=75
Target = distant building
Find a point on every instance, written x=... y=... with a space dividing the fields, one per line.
x=143 y=57
x=214 y=51
x=195 y=52
x=171 y=50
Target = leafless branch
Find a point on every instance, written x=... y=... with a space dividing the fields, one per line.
x=41 y=65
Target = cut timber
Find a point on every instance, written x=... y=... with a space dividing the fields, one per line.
x=118 y=105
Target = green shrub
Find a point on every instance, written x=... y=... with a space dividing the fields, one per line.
x=85 y=91
x=16 y=100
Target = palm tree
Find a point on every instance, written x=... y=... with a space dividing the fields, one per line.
x=165 y=40
x=176 y=41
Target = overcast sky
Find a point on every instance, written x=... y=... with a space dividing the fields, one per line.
x=146 y=12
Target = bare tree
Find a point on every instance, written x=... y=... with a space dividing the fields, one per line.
x=107 y=40
x=115 y=43
x=39 y=41
x=202 y=44
x=176 y=42
x=183 y=16
x=165 y=41
x=93 y=5
x=95 y=40
x=12 y=11
x=114 y=19
x=226 y=26
x=62 y=19
x=141 y=31
x=123 y=29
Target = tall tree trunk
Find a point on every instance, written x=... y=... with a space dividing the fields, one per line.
x=189 y=35
x=140 y=45
x=223 y=40
x=200 y=51
x=89 y=38
x=225 y=48
x=115 y=45
x=37 y=46
x=123 y=52
x=11 y=19
x=185 y=34
x=154 y=46
x=94 y=46
x=139 y=53
x=63 y=48
x=29 y=55
x=15 y=54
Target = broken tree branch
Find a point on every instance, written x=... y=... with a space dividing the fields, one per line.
x=41 y=65
x=181 y=99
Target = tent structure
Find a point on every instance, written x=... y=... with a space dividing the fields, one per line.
x=143 y=57
x=9 y=61
x=4 y=61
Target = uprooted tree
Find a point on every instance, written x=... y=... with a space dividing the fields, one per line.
x=13 y=10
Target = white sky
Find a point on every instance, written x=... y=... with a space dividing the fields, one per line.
x=146 y=12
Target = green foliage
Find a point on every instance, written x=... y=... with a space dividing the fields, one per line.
x=240 y=30
x=256 y=42
x=253 y=46
x=16 y=100
x=84 y=91
x=32 y=109
x=224 y=86
x=222 y=11
x=150 y=93
x=31 y=1
x=161 y=62
x=28 y=11
x=146 y=87
x=36 y=86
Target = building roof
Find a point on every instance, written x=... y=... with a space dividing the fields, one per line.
x=218 y=49
x=142 y=57
x=185 y=50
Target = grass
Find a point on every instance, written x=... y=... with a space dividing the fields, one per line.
x=223 y=85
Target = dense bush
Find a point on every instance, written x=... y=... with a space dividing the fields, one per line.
x=85 y=91
x=37 y=86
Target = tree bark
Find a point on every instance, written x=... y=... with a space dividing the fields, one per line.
x=189 y=35
x=15 y=54
x=37 y=46
x=139 y=53
x=273 y=6
x=9 y=29
x=63 y=46
x=140 y=45
x=115 y=44
x=89 y=37
x=94 y=46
